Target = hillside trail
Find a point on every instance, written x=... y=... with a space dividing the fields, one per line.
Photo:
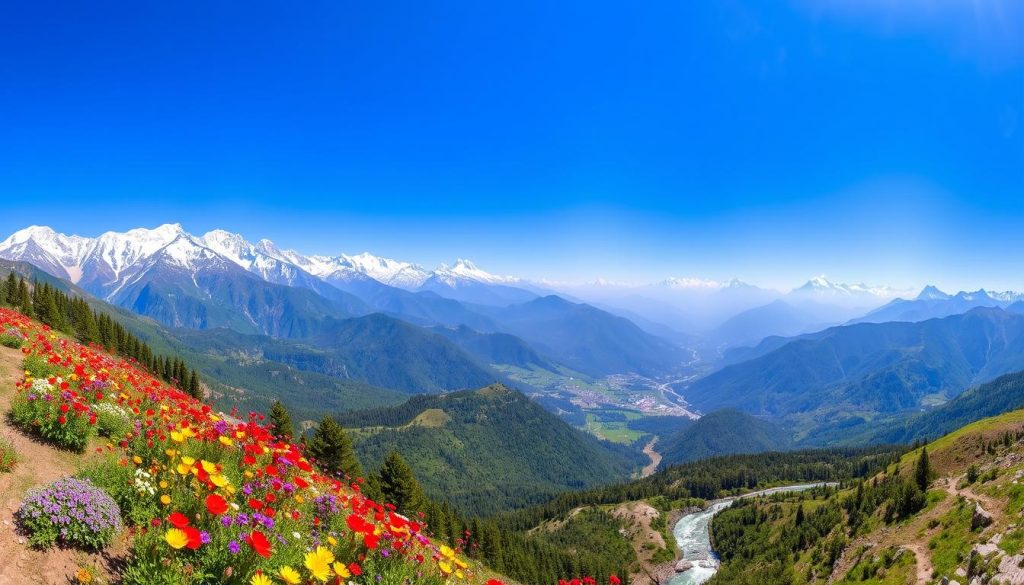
x=923 y=563
x=40 y=464
x=914 y=535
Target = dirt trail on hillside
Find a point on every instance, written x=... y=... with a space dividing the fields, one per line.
x=654 y=456
x=923 y=562
x=914 y=535
x=40 y=464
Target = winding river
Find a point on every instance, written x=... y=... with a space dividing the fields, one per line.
x=693 y=536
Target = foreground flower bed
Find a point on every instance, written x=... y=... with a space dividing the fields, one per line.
x=210 y=498
x=207 y=498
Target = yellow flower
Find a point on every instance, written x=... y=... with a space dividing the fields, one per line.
x=341 y=570
x=319 y=563
x=260 y=579
x=447 y=552
x=219 y=480
x=225 y=441
x=177 y=437
x=290 y=575
x=165 y=499
x=207 y=466
x=445 y=567
x=163 y=484
x=332 y=541
x=176 y=538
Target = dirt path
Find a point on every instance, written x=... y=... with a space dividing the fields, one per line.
x=40 y=464
x=653 y=455
x=924 y=564
x=913 y=536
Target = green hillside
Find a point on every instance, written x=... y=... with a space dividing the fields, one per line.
x=488 y=450
x=723 y=432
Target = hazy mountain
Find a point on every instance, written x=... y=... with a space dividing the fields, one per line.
x=784 y=318
x=870 y=367
x=932 y=303
x=587 y=339
x=495 y=348
x=489 y=449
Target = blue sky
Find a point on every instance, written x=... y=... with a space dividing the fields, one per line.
x=871 y=141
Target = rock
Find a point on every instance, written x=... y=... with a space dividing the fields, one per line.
x=981 y=518
x=683 y=566
x=984 y=549
x=960 y=572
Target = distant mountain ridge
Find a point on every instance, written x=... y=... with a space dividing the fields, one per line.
x=868 y=367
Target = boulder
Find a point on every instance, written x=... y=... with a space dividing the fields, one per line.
x=981 y=518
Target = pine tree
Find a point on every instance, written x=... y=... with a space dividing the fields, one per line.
x=799 y=515
x=194 y=389
x=282 y=420
x=399 y=486
x=923 y=472
x=332 y=448
x=24 y=298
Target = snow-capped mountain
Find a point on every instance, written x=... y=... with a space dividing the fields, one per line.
x=821 y=289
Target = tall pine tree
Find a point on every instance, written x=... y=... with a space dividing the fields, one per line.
x=399 y=486
x=331 y=446
x=282 y=420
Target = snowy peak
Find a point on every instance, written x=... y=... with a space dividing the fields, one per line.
x=822 y=286
x=691 y=283
x=932 y=293
x=465 y=270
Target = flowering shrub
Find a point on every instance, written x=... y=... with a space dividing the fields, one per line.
x=12 y=338
x=51 y=410
x=70 y=511
x=9 y=458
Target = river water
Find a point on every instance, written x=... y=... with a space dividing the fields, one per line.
x=693 y=537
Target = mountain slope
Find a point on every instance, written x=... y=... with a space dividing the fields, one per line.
x=932 y=303
x=870 y=367
x=723 y=432
x=585 y=338
x=495 y=348
x=487 y=449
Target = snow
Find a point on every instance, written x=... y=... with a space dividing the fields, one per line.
x=464 y=270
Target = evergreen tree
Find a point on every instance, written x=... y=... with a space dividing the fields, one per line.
x=24 y=298
x=332 y=448
x=923 y=471
x=399 y=486
x=281 y=420
x=799 y=515
x=194 y=389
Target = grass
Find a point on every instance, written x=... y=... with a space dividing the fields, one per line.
x=891 y=567
x=9 y=458
x=952 y=545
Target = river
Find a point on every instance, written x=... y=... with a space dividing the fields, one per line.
x=693 y=536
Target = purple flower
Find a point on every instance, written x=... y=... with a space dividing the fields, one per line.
x=234 y=548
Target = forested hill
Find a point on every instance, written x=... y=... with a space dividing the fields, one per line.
x=489 y=449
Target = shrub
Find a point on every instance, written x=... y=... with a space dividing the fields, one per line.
x=70 y=511
x=12 y=338
x=42 y=411
x=134 y=489
x=9 y=458
x=112 y=421
x=40 y=368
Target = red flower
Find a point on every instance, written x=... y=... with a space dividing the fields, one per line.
x=371 y=540
x=614 y=580
x=178 y=520
x=259 y=543
x=195 y=539
x=216 y=504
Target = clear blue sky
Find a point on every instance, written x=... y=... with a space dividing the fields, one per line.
x=767 y=140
